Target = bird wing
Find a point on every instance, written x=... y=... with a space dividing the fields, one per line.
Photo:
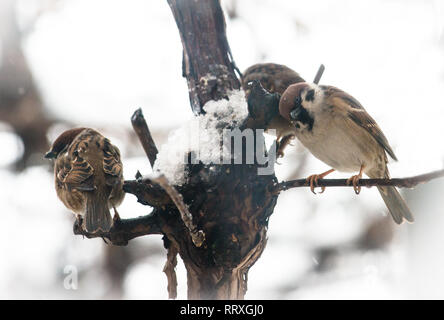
x=112 y=165
x=356 y=112
x=76 y=174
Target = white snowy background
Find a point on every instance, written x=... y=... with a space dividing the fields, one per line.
x=96 y=61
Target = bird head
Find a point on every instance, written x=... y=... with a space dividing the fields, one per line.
x=62 y=142
x=299 y=102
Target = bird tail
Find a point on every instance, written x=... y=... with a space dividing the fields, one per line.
x=97 y=215
x=396 y=204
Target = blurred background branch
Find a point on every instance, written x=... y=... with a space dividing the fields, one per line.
x=21 y=105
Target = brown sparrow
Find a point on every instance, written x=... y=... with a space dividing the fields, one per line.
x=275 y=78
x=337 y=130
x=88 y=176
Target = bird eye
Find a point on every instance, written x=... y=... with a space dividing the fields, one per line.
x=297 y=101
x=310 y=95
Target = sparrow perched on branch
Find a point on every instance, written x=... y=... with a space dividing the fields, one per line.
x=275 y=78
x=337 y=130
x=88 y=176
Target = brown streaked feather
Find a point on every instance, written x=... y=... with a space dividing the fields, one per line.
x=76 y=174
x=356 y=112
x=112 y=166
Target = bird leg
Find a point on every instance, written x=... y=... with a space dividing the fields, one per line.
x=79 y=222
x=355 y=179
x=79 y=219
x=313 y=179
x=282 y=143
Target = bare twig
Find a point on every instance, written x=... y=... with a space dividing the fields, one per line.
x=198 y=236
x=408 y=182
x=319 y=74
x=170 y=271
x=144 y=134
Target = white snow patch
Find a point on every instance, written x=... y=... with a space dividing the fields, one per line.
x=10 y=144
x=201 y=135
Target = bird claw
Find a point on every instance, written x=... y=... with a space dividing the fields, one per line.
x=79 y=222
x=354 y=180
x=313 y=179
x=279 y=151
x=282 y=143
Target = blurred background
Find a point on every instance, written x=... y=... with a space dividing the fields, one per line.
x=92 y=63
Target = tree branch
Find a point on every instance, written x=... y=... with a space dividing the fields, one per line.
x=124 y=230
x=147 y=192
x=207 y=63
x=198 y=236
x=319 y=74
x=144 y=135
x=408 y=182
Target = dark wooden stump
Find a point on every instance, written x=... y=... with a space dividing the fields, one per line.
x=230 y=203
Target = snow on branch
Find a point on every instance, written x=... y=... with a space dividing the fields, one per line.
x=202 y=137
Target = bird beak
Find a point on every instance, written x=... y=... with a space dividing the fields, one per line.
x=50 y=155
x=295 y=114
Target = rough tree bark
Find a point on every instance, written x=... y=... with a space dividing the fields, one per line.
x=230 y=203
x=207 y=62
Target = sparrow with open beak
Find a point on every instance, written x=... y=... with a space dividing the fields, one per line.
x=88 y=176
x=275 y=78
x=336 y=129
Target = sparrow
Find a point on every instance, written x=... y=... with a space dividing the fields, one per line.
x=337 y=130
x=88 y=176
x=275 y=78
